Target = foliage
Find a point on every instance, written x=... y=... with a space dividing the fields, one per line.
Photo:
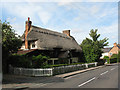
x=10 y=43
x=58 y=65
x=28 y=62
x=39 y=61
x=114 y=58
x=106 y=58
x=92 y=47
x=19 y=61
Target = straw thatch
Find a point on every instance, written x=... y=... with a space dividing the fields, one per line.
x=47 y=39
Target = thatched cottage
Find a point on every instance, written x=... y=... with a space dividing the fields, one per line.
x=51 y=43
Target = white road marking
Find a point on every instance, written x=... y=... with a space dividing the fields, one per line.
x=112 y=68
x=86 y=82
x=104 y=73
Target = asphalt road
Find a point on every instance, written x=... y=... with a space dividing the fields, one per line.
x=105 y=77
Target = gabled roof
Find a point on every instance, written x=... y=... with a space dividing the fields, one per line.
x=49 y=39
x=106 y=49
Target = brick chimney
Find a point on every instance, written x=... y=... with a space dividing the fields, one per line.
x=115 y=44
x=67 y=32
x=27 y=28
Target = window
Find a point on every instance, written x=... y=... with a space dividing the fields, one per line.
x=33 y=45
x=110 y=54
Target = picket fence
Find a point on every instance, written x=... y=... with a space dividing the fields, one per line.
x=49 y=71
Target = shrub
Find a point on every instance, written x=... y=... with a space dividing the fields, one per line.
x=19 y=61
x=113 y=58
x=28 y=62
x=39 y=61
x=106 y=58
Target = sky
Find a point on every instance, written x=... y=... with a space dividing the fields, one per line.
x=78 y=16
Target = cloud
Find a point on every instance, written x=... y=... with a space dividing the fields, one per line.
x=78 y=17
x=44 y=17
x=11 y=19
x=29 y=10
x=109 y=29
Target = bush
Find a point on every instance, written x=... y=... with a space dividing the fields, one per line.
x=106 y=58
x=28 y=62
x=19 y=61
x=113 y=58
x=39 y=61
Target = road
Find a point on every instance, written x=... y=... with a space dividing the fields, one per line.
x=105 y=77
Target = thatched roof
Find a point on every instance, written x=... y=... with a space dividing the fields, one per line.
x=48 y=39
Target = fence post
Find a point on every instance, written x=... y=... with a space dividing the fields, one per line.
x=95 y=64
x=51 y=71
x=86 y=65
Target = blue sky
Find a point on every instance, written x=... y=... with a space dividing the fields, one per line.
x=79 y=17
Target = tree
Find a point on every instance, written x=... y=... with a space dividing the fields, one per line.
x=92 y=48
x=10 y=42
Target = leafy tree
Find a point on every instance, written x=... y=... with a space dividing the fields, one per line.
x=92 y=47
x=10 y=42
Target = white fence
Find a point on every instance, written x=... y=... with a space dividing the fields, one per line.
x=49 y=71
x=31 y=72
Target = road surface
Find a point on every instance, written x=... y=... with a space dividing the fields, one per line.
x=105 y=77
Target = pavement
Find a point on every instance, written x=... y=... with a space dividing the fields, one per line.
x=67 y=80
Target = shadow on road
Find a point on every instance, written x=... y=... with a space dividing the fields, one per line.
x=14 y=79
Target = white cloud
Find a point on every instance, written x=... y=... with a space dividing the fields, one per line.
x=109 y=29
x=44 y=17
x=94 y=9
x=29 y=10
x=45 y=14
x=11 y=19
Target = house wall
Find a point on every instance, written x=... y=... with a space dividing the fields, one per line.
x=104 y=54
x=23 y=46
x=31 y=43
x=114 y=50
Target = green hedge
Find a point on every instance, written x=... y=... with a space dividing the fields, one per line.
x=28 y=62
x=113 y=60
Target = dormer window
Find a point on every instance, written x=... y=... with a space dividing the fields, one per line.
x=33 y=45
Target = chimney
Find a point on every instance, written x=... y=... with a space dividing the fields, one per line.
x=67 y=32
x=115 y=44
x=27 y=29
